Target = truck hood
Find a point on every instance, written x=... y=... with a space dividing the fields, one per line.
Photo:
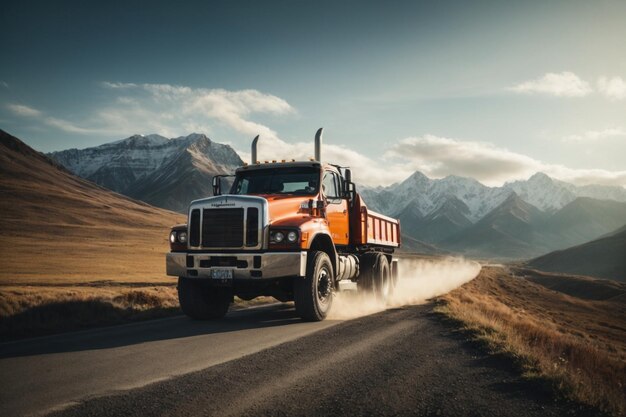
x=282 y=207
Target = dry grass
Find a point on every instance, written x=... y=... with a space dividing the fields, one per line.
x=27 y=311
x=577 y=345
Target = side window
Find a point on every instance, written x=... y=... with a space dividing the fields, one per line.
x=242 y=186
x=329 y=185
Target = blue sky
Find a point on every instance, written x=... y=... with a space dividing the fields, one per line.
x=495 y=90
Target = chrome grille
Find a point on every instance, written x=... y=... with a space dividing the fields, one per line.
x=222 y=228
x=228 y=222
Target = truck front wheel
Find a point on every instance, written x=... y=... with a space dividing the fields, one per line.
x=313 y=294
x=202 y=302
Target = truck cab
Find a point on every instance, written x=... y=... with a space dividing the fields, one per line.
x=287 y=229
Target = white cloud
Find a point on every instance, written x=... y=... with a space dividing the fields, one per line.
x=21 y=110
x=70 y=127
x=564 y=84
x=178 y=110
x=170 y=111
x=596 y=135
x=438 y=157
x=614 y=88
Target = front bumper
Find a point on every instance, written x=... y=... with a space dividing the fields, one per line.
x=244 y=265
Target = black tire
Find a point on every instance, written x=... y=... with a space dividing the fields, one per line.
x=375 y=276
x=313 y=294
x=201 y=301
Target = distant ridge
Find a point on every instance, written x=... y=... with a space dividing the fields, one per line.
x=603 y=258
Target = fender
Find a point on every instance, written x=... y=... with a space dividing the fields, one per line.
x=323 y=241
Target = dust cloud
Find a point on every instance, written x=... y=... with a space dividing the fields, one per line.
x=419 y=280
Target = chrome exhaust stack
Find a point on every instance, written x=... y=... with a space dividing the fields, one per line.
x=318 y=145
x=254 y=150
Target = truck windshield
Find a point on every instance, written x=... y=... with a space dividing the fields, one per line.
x=300 y=180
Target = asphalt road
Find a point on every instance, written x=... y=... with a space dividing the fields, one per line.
x=266 y=362
x=43 y=374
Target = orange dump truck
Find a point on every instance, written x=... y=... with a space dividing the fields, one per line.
x=290 y=230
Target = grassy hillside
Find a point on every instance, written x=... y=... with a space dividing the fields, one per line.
x=574 y=339
x=58 y=228
x=74 y=253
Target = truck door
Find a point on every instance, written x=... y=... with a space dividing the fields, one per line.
x=336 y=209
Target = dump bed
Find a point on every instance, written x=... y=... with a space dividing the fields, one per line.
x=371 y=228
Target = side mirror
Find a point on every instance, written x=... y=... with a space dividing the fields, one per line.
x=217 y=185
x=351 y=192
x=348 y=185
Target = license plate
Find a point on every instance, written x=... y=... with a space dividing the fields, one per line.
x=222 y=273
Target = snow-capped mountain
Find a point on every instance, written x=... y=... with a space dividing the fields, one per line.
x=550 y=194
x=186 y=177
x=118 y=164
x=520 y=219
x=149 y=167
x=426 y=195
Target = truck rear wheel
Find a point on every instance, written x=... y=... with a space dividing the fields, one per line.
x=375 y=275
x=202 y=302
x=313 y=294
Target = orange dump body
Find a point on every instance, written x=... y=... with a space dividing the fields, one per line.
x=371 y=228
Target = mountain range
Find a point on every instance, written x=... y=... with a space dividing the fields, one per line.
x=521 y=219
x=167 y=173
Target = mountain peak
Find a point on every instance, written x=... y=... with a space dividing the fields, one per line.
x=194 y=137
x=540 y=178
x=417 y=176
x=138 y=140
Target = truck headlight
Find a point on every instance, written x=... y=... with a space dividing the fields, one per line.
x=173 y=237
x=292 y=237
x=284 y=237
x=182 y=237
x=279 y=237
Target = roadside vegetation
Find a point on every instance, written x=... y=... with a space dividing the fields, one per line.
x=27 y=311
x=574 y=342
x=37 y=310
